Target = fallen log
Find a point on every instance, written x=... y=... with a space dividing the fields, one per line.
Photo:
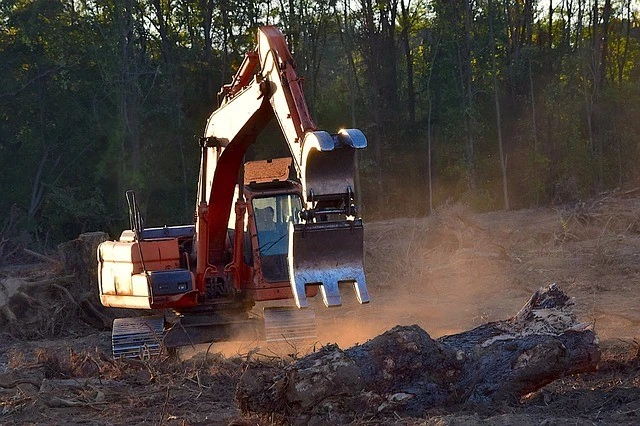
x=53 y=385
x=404 y=371
x=41 y=257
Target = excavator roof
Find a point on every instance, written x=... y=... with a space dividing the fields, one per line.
x=267 y=171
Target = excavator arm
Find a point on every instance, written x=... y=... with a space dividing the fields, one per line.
x=264 y=87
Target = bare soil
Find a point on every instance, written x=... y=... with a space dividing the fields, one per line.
x=447 y=273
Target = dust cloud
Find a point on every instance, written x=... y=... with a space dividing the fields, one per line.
x=445 y=273
x=456 y=270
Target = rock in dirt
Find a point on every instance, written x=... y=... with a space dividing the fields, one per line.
x=405 y=371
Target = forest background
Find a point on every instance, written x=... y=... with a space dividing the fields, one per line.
x=500 y=104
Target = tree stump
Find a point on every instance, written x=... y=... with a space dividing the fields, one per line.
x=48 y=303
x=79 y=258
x=405 y=371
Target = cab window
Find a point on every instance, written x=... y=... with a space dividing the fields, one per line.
x=272 y=217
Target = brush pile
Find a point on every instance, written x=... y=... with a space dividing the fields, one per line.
x=60 y=385
x=43 y=299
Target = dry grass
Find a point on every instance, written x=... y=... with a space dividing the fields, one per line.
x=46 y=380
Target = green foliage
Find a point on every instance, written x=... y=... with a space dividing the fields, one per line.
x=69 y=211
x=536 y=177
x=100 y=97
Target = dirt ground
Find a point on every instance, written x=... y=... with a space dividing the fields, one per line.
x=447 y=273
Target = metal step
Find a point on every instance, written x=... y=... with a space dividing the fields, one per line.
x=137 y=337
x=286 y=323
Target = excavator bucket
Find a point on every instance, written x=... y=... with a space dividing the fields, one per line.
x=326 y=254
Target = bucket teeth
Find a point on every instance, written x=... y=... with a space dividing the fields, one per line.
x=326 y=254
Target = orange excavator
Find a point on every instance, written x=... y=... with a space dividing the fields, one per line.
x=262 y=231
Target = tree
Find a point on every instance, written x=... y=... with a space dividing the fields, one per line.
x=494 y=71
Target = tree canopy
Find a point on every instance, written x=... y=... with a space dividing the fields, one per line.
x=501 y=104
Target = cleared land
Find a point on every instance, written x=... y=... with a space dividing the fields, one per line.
x=448 y=273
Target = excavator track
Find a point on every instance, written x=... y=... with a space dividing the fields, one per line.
x=286 y=324
x=137 y=337
x=142 y=337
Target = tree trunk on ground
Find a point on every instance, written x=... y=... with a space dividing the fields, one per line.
x=406 y=372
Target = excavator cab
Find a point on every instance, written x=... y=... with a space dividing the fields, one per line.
x=309 y=246
x=272 y=218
